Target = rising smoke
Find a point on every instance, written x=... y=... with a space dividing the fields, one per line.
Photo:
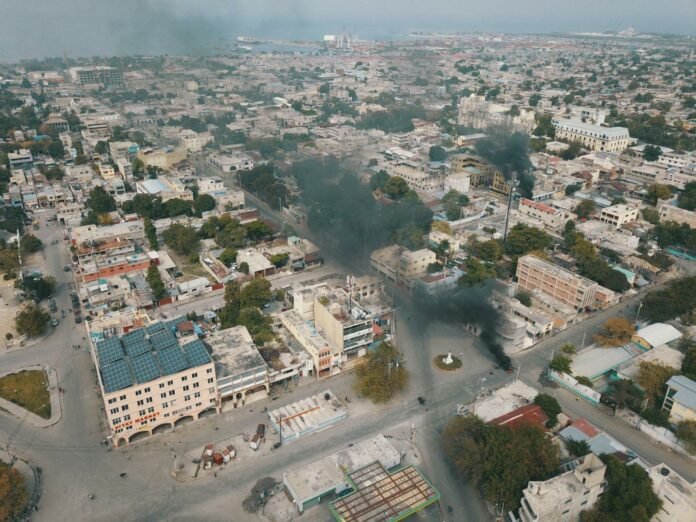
x=349 y=223
x=510 y=154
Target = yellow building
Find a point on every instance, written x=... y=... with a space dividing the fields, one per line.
x=680 y=399
x=501 y=187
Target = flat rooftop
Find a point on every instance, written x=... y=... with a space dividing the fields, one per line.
x=234 y=351
x=307 y=415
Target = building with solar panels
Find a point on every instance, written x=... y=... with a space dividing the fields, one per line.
x=153 y=379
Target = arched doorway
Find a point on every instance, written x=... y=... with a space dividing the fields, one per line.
x=138 y=436
x=208 y=412
x=162 y=428
x=183 y=420
x=121 y=443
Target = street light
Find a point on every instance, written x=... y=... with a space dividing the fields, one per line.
x=640 y=305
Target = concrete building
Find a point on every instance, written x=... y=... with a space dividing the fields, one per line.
x=680 y=399
x=678 y=215
x=194 y=141
x=418 y=177
x=400 y=265
x=151 y=379
x=500 y=187
x=618 y=215
x=562 y=498
x=594 y=137
x=478 y=113
x=563 y=285
x=307 y=416
x=96 y=75
x=163 y=158
x=324 y=357
x=231 y=162
x=22 y=159
x=550 y=217
x=241 y=371
x=592 y=115
x=677 y=494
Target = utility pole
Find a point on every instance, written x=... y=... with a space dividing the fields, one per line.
x=509 y=206
x=640 y=305
x=584 y=333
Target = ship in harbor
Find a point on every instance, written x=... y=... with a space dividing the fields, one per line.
x=247 y=40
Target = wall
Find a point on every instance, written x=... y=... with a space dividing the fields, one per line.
x=571 y=384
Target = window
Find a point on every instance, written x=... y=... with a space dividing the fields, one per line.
x=194 y=375
x=565 y=512
x=113 y=410
x=163 y=395
x=169 y=383
x=166 y=415
x=187 y=398
x=147 y=390
x=186 y=388
x=209 y=370
x=122 y=398
x=196 y=384
x=148 y=400
x=138 y=392
x=111 y=401
x=161 y=385
x=126 y=417
x=583 y=502
x=165 y=405
x=116 y=421
x=197 y=395
x=172 y=392
x=210 y=381
x=124 y=407
x=211 y=390
x=141 y=402
x=151 y=409
x=184 y=378
x=141 y=412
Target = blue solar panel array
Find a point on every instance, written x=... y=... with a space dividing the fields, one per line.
x=146 y=354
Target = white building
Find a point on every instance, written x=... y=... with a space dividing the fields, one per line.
x=550 y=217
x=562 y=498
x=618 y=215
x=594 y=137
x=231 y=162
x=194 y=141
x=20 y=159
x=677 y=494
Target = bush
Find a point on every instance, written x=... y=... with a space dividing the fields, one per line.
x=550 y=406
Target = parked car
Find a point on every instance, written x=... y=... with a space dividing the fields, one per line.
x=66 y=268
x=54 y=322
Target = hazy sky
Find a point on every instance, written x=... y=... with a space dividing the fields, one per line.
x=34 y=28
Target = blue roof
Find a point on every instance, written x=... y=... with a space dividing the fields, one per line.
x=117 y=376
x=146 y=354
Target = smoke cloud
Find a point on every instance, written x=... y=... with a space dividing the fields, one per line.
x=510 y=154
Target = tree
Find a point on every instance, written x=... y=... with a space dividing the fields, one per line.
x=382 y=374
x=203 y=203
x=584 y=209
x=30 y=243
x=230 y=311
x=38 y=287
x=258 y=324
x=568 y=349
x=396 y=187
x=182 y=239
x=650 y=215
x=572 y=151
x=279 y=260
x=55 y=172
x=32 y=321
x=500 y=460
x=628 y=497
x=13 y=493
x=534 y=99
x=453 y=201
x=101 y=147
x=688 y=366
x=151 y=233
x=490 y=251
x=560 y=364
x=256 y=293
x=476 y=273
x=687 y=198
x=154 y=279
x=658 y=191
x=652 y=377
x=578 y=448
x=437 y=153
x=25 y=84
x=585 y=381
x=651 y=153
x=379 y=180
x=244 y=267
x=616 y=331
x=177 y=207
x=100 y=201
x=550 y=406
x=228 y=256
x=522 y=239
x=524 y=298
x=686 y=433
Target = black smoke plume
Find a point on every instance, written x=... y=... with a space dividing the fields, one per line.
x=349 y=223
x=510 y=154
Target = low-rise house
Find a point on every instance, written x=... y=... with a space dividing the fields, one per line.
x=680 y=399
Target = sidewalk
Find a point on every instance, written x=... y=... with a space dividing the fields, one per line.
x=31 y=475
x=54 y=394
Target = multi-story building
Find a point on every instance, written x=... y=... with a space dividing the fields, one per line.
x=618 y=215
x=550 y=217
x=21 y=159
x=563 y=285
x=501 y=187
x=163 y=158
x=609 y=139
x=400 y=265
x=677 y=494
x=152 y=379
x=97 y=75
x=479 y=113
x=324 y=356
x=231 y=162
x=678 y=215
x=564 y=497
x=416 y=176
x=592 y=115
x=241 y=371
x=194 y=141
x=680 y=399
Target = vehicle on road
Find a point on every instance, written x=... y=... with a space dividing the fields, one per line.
x=52 y=305
x=54 y=322
x=66 y=268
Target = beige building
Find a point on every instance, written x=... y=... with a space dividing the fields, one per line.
x=680 y=399
x=162 y=158
x=324 y=357
x=501 y=187
x=416 y=176
x=550 y=217
x=563 y=285
x=400 y=265
x=678 y=215
x=564 y=497
x=618 y=215
x=677 y=494
x=152 y=379
x=609 y=139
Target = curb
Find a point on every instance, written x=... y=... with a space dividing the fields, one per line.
x=54 y=395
